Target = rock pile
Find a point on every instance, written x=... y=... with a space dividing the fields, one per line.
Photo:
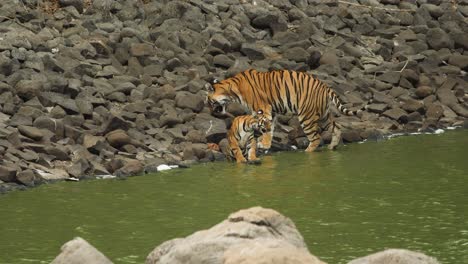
x=116 y=87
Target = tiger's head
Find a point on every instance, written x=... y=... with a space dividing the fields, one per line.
x=220 y=94
x=262 y=123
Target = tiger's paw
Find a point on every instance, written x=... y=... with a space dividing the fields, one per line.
x=255 y=162
x=243 y=160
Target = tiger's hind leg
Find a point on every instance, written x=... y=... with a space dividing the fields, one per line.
x=312 y=130
x=328 y=124
x=336 y=136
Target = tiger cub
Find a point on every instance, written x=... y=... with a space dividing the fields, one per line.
x=242 y=138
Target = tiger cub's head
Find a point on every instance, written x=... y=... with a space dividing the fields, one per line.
x=219 y=95
x=262 y=124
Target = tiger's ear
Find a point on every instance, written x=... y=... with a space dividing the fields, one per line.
x=209 y=87
x=260 y=112
x=214 y=81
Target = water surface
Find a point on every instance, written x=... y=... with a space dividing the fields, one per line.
x=407 y=192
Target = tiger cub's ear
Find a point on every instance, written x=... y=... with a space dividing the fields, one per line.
x=209 y=87
x=260 y=112
x=214 y=81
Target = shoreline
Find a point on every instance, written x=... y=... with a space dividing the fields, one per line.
x=165 y=167
x=117 y=87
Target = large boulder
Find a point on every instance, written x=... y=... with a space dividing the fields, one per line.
x=395 y=256
x=254 y=235
x=79 y=251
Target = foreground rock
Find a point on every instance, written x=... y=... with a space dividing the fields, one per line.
x=396 y=256
x=250 y=236
x=79 y=251
x=255 y=235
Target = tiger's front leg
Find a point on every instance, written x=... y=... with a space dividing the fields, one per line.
x=267 y=138
x=252 y=151
x=234 y=145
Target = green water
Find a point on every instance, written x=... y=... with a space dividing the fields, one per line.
x=407 y=192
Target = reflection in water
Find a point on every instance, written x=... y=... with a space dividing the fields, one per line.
x=408 y=192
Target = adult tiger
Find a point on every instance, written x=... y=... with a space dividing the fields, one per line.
x=242 y=137
x=281 y=92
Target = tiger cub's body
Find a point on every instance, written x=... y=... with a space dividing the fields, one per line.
x=280 y=92
x=242 y=138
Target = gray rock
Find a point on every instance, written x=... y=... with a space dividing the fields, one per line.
x=377 y=108
x=223 y=61
x=5 y=65
x=79 y=251
x=78 y=168
x=31 y=132
x=141 y=49
x=170 y=119
x=8 y=173
x=273 y=20
x=27 y=89
x=390 y=77
x=460 y=40
x=397 y=114
x=214 y=128
x=423 y=91
x=195 y=136
x=220 y=42
x=78 y=4
x=52 y=99
x=159 y=93
x=27 y=177
x=84 y=106
x=118 y=138
x=190 y=101
x=114 y=122
x=395 y=256
x=329 y=57
x=33 y=112
x=140 y=107
x=130 y=168
x=414 y=116
x=58 y=151
x=272 y=238
x=19 y=119
x=434 y=111
x=435 y=10
x=459 y=60
x=412 y=105
x=351 y=136
x=297 y=54
x=253 y=51
x=438 y=39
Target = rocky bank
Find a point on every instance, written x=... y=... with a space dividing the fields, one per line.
x=252 y=236
x=101 y=87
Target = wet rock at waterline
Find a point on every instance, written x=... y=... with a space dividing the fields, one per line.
x=120 y=89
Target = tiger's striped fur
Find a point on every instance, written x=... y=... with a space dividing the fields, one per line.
x=241 y=136
x=281 y=92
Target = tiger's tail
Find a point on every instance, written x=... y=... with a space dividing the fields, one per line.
x=336 y=100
